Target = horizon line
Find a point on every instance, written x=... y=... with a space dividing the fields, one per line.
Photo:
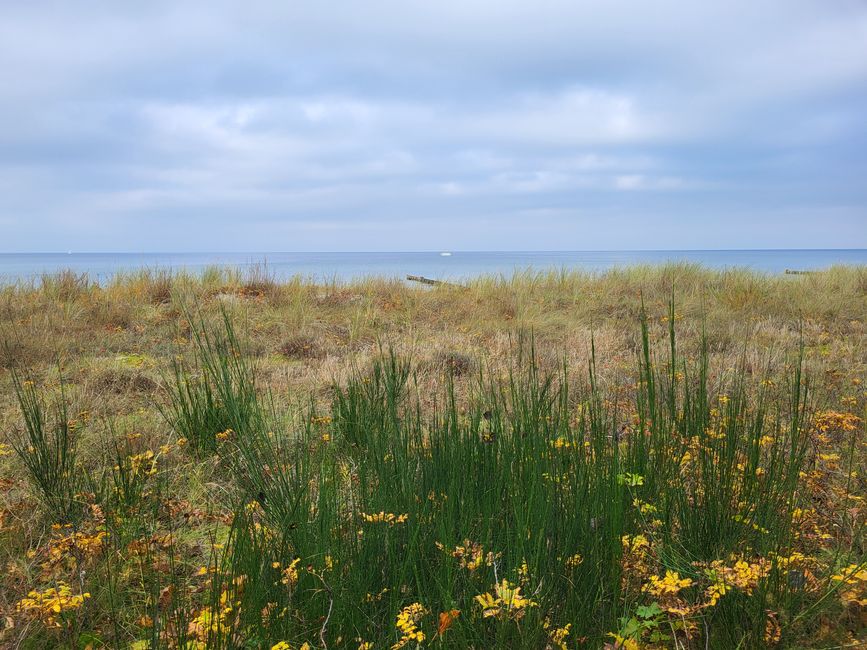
x=430 y=251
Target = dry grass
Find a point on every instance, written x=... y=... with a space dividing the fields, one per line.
x=305 y=336
x=297 y=325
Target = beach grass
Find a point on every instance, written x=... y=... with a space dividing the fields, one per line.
x=651 y=457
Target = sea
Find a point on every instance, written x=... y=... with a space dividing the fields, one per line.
x=439 y=265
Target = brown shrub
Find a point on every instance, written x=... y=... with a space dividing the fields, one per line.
x=123 y=381
x=301 y=347
x=17 y=354
x=160 y=289
x=112 y=313
x=456 y=363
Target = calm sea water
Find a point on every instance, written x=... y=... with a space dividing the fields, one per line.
x=457 y=265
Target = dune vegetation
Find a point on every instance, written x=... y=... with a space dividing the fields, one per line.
x=653 y=457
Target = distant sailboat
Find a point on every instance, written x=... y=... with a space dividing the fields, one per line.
x=445 y=254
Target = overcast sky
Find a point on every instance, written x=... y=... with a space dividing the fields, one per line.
x=291 y=126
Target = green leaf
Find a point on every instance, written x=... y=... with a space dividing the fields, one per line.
x=658 y=636
x=649 y=611
x=632 y=480
x=631 y=628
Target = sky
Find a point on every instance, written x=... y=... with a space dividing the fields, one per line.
x=449 y=125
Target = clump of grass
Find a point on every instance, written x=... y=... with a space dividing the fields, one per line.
x=454 y=362
x=253 y=281
x=130 y=471
x=108 y=313
x=14 y=352
x=193 y=411
x=47 y=448
x=366 y=411
x=122 y=380
x=218 y=394
x=148 y=286
x=259 y=281
x=300 y=347
x=159 y=287
x=65 y=286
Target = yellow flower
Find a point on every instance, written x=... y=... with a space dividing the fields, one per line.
x=623 y=643
x=407 y=623
x=48 y=605
x=635 y=543
x=742 y=575
x=490 y=605
x=508 y=601
x=290 y=573
x=670 y=584
x=145 y=462
x=471 y=555
x=796 y=558
x=385 y=517
x=644 y=507
x=852 y=574
x=558 y=636
x=524 y=573
x=574 y=560
x=853 y=579
x=715 y=592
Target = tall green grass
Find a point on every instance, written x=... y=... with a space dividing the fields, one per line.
x=531 y=470
x=216 y=395
x=47 y=448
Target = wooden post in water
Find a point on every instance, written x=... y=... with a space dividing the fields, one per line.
x=424 y=280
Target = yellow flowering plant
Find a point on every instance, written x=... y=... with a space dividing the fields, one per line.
x=51 y=605
x=507 y=602
x=407 y=625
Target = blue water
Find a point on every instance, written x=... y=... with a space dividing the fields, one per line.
x=460 y=264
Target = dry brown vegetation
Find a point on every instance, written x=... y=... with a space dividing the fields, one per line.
x=119 y=337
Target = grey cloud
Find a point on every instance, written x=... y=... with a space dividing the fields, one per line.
x=394 y=125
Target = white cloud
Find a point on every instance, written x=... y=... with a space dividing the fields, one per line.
x=567 y=118
x=632 y=182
